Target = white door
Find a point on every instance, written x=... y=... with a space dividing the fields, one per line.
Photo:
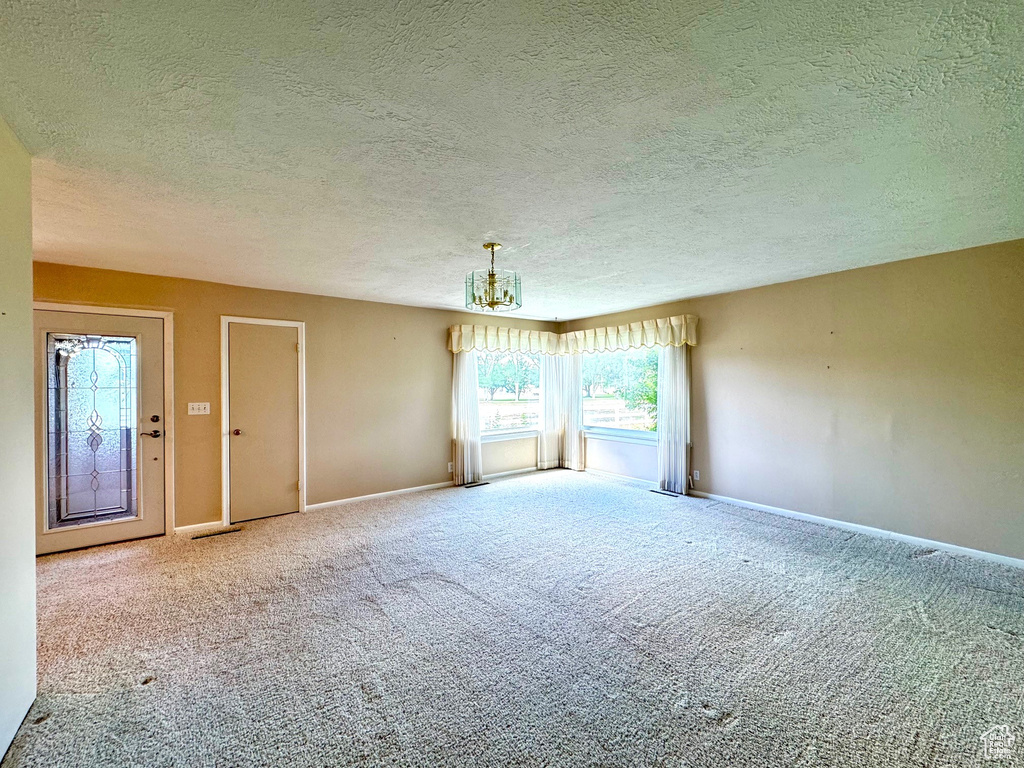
x=264 y=414
x=100 y=429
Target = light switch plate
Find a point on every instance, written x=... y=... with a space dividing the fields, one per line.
x=198 y=409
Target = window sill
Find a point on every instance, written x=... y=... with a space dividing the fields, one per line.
x=519 y=434
x=621 y=435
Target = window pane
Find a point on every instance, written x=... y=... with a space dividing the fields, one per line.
x=509 y=390
x=620 y=389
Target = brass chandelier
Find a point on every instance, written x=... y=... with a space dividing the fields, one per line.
x=493 y=290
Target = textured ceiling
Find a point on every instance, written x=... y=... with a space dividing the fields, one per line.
x=626 y=154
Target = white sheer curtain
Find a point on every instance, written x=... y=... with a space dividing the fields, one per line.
x=561 y=392
x=467 y=460
x=552 y=424
x=572 y=406
x=673 y=418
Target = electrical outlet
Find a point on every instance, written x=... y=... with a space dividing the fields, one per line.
x=696 y=474
x=450 y=467
x=198 y=409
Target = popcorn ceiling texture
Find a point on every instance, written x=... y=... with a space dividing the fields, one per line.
x=627 y=154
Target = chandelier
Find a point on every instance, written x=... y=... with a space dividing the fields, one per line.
x=493 y=290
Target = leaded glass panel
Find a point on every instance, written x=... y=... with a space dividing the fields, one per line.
x=92 y=428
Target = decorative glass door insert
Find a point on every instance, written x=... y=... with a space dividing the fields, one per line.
x=100 y=428
x=92 y=432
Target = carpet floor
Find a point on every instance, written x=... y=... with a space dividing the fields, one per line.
x=555 y=618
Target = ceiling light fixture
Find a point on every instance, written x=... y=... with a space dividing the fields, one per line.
x=493 y=290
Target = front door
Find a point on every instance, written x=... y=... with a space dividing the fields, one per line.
x=100 y=429
x=263 y=418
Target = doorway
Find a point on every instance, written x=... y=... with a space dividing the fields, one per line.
x=263 y=415
x=102 y=427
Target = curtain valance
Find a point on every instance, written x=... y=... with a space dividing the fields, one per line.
x=493 y=338
x=665 y=332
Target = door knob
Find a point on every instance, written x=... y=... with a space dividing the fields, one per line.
x=154 y=433
x=236 y=432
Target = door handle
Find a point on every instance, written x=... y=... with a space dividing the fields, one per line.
x=154 y=433
x=236 y=432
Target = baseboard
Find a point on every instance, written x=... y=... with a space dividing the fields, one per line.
x=367 y=497
x=980 y=554
x=617 y=476
x=511 y=472
x=190 y=530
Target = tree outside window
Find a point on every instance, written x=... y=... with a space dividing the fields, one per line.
x=509 y=390
x=620 y=389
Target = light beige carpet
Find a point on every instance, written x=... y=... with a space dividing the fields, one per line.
x=551 y=619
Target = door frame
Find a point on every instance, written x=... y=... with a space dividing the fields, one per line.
x=168 y=322
x=225 y=407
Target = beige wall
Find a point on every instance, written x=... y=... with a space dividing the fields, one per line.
x=622 y=458
x=890 y=396
x=378 y=381
x=17 y=454
x=510 y=455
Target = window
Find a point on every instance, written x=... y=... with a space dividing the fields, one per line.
x=620 y=389
x=509 y=391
